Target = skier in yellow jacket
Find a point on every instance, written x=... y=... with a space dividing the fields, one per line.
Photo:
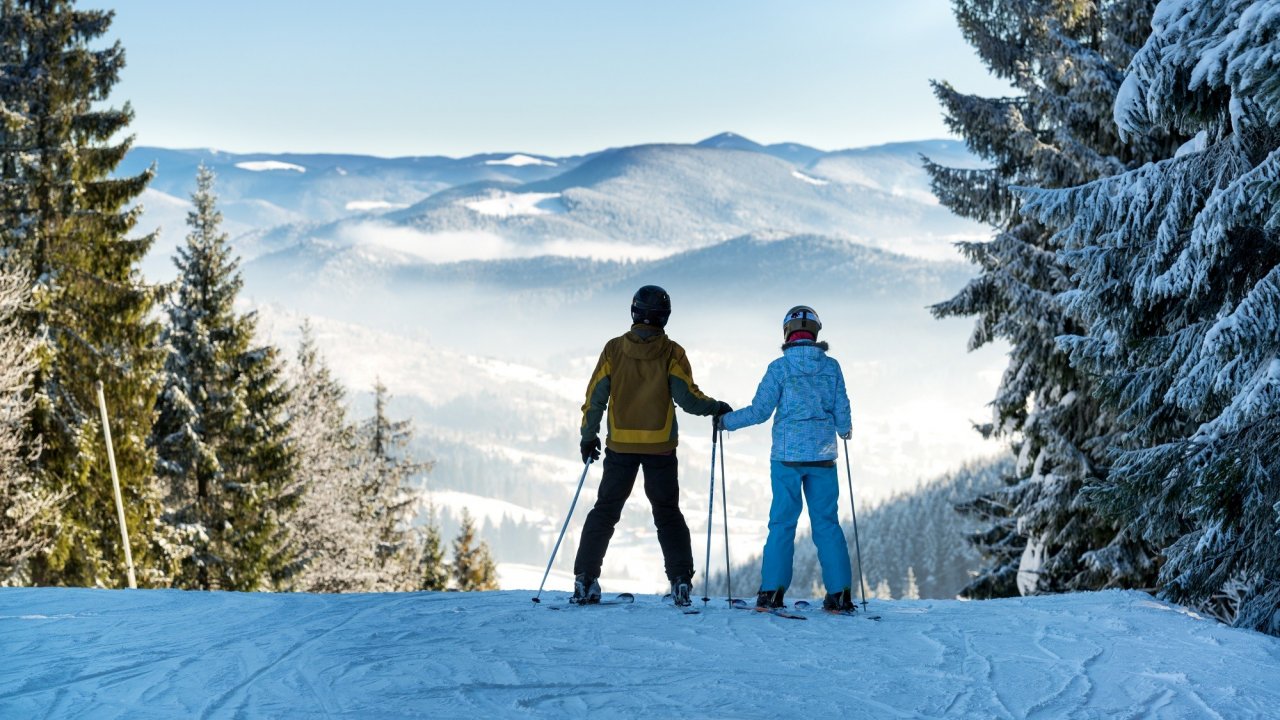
x=640 y=377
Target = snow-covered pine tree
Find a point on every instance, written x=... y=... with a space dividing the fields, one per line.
x=473 y=567
x=911 y=591
x=1179 y=281
x=388 y=496
x=335 y=547
x=67 y=218
x=28 y=512
x=1065 y=62
x=220 y=434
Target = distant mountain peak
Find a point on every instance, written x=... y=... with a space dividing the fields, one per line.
x=730 y=141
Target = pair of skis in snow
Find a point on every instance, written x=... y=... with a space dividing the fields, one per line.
x=619 y=599
x=800 y=605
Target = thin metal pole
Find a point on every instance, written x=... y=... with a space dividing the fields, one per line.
x=724 y=505
x=711 y=509
x=585 y=467
x=115 y=485
x=862 y=581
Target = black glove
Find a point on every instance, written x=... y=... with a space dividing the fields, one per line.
x=721 y=410
x=847 y=435
x=590 y=450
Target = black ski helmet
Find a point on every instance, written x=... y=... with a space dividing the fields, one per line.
x=801 y=318
x=651 y=305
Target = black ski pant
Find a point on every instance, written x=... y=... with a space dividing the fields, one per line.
x=663 y=490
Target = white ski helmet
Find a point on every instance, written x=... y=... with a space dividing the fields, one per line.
x=801 y=318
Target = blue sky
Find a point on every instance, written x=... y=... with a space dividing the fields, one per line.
x=425 y=78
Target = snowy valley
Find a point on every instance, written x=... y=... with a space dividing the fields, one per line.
x=480 y=289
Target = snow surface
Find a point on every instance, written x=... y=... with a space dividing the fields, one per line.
x=506 y=204
x=137 y=654
x=811 y=180
x=366 y=205
x=263 y=165
x=520 y=160
x=483 y=509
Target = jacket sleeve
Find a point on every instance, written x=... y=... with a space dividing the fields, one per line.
x=684 y=391
x=843 y=415
x=762 y=405
x=597 y=397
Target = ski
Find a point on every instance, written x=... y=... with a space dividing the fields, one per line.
x=806 y=606
x=619 y=599
x=776 y=612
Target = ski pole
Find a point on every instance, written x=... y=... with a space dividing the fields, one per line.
x=711 y=509
x=862 y=582
x=724 y=505
x=585 y=467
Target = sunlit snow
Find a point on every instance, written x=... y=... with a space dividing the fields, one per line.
x=367 y=205
x=443 y=247
x=520 y=160
x=175 y=654
x=509 y=204
x=806 y=178
x=263 y=165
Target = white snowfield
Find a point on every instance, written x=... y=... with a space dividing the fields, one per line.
x=520 y=160
x=171 y=654
x=268 y=165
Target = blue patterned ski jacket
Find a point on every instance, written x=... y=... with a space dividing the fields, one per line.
x=806 y=389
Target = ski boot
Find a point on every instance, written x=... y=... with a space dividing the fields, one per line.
x=680 y=590
x=839 y=602
x=767 y=600
x=586 y=590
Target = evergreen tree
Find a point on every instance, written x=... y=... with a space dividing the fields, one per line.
x=221 y=432
x=881 y=591
x=27 y=510
x=911 y=590
x=388 y=496
x=1065 y=59
x=473 y=567
x=66 y=218
x=433 y=572
x=1179 y=284
x=335 y=545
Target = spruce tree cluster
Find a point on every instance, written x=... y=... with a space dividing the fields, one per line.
x=473 y=567
x=221 y=429
x=1177 y=266
x=1065 y=62
x=354 y=528
x=28 y=511
x=66 y=222
x=235 y=472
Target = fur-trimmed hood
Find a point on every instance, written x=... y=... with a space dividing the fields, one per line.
x=807 y=343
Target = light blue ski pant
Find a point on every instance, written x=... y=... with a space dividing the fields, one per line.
x=821 y=487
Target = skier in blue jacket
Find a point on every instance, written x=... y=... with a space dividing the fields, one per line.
x=804 y=391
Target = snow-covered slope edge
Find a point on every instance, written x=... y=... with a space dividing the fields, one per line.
x=82 y=653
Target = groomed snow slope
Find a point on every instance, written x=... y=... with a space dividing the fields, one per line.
x=105 y=654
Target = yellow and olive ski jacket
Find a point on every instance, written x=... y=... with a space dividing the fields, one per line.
x=640 y=376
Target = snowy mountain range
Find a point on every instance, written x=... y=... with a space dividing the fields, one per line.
x=479 y=290
x=640 y=201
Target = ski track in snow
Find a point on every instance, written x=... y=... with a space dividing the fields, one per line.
x=71 y=653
